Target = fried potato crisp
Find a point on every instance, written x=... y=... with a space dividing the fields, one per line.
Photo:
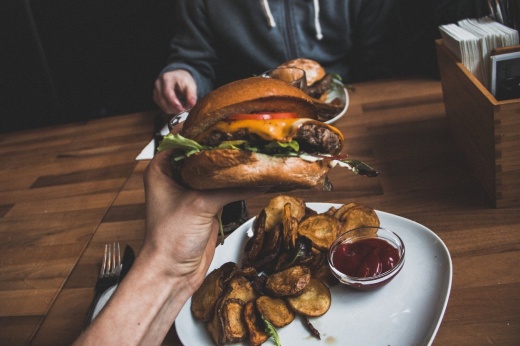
x=359 y=216
x=233 y=325
x=288 y=282
x=214 y=328
x=314 y=300
x=338 y=214
x=226 y=324
x=321 y=229
x=275 y=310
x=255 y=244
x=290 y=225
x=240 y=288
x=275 y=208
x=204 y=299
x=255 y=326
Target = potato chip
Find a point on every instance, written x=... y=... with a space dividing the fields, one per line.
x=255 y=325
x=214 y=328
x=338 y=214
x=314 y=301
x=359 y=216
x=290 y=225
x=204 y=299
x=255 y=244
x=240 y=288
x=275 y=208
x=269 y=251
x=275 y=310
x=233 y=326
x=288 y=282
x=321 y=229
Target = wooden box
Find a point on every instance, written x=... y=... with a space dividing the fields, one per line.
x=486 y=130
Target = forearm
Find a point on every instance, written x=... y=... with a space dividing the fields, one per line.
x=143 y=308
x=178 y=248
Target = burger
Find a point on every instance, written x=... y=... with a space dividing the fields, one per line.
x=326 y=89
x=255 y=132
x=318 y=80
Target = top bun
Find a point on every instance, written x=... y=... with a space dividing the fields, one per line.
x=313 y=70
x=249 y=95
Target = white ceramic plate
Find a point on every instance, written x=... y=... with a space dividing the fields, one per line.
x=343 y=111
x=407 y=311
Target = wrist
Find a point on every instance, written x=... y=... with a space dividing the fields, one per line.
x=161 y=266
x=143 y=307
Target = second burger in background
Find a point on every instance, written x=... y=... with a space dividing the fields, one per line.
x=318 y=80
x=326 y=89
x=256 y=132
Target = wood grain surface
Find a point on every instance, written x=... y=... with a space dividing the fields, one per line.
x=65 y=191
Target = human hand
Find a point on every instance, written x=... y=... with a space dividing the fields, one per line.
x=180 y=240
x=175 y=91
x=181 y=223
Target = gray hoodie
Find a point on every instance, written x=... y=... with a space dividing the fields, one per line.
x=218 y=41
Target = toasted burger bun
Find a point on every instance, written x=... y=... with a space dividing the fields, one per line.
x=228 y=168
x=313 y=70
x=250 y=95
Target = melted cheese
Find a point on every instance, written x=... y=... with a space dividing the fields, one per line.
x=282 y=130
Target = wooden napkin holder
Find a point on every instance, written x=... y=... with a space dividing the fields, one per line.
x=486 y=130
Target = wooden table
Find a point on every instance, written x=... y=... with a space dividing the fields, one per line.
x=66 y=190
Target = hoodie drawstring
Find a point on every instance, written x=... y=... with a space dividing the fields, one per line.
x=269 y=16
x=317 y=24
x=272 y=23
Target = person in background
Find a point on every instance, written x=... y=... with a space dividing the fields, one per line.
x=217 y=42
x=180 y=240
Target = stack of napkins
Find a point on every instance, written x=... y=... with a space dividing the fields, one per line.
x=473 y=40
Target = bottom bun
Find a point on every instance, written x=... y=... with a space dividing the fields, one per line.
x=228 y=168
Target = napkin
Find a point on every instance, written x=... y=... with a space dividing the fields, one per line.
x=148 y=151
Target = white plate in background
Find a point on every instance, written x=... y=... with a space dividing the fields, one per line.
x=343 y=111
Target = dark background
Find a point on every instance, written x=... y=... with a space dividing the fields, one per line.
x=65 y=61
x=80 y=58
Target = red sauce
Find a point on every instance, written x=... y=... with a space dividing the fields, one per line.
x=365 y=257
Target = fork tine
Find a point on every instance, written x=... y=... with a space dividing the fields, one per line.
x=105 y=261
x=113 y=260
x=110 y=261
x=117 y=261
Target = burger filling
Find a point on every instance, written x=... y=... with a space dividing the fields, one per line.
x=317 y=89
x=307 y=139
x=311 y=138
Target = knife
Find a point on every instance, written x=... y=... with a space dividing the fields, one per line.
x=127 y=262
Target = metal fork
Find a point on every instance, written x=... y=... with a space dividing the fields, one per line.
x=108 y=275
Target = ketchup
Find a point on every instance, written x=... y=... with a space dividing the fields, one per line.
x=365 y=258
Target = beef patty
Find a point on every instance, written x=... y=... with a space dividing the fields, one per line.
x=311 y=137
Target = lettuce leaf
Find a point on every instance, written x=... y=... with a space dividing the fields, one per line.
x=279 y=146
x=178 y=142
x=190 y=147
x=271 y=331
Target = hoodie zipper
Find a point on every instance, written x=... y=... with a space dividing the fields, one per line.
x=293 y=49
